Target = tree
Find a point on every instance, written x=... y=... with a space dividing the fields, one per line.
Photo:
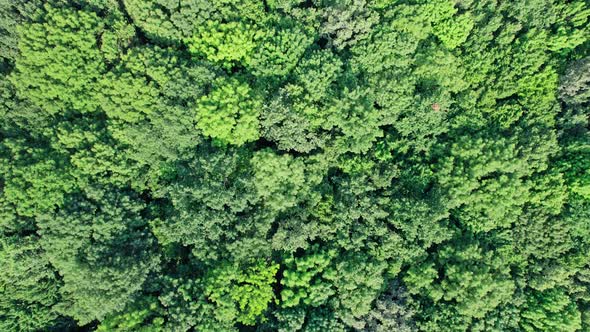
x=134 y=318
x=169 y=22
x=574 y=135
x=473 y=282
x=487 y=172
x=229 y=113
x=13 y=13
x=29 y=286
x=240 y=295
x=226 y=43
x=279 y=180
x=279 y=50
x=357 y=281
x=60 y=61
x=33 y=182
x=391 y=312
x=303 y=282
x=345 y=23
x=290 y=165
x=155 y=79
x=103 y=253
x=574 y=87
x=359 y=126
x=287 y=127
x=550 y=310
x=454 y=31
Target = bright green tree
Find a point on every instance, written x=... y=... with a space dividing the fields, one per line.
x=241 y=295
x=229 y=113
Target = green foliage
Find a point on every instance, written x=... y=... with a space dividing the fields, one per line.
x=168 y=21
x=472 y=283
x=346 y=22
x=279 y=50
x=208 y=196
x=13 y=13
x=225 y=43
x=278 y=179
x=317 y=72
x=575 y=138
x=241 y=295
x=289 y=129
x=302 y=280
x=391 y=312
x=134 y=318
x=453 y=32
x=358 y=281
x=575 y=83
x=289 y=165
x=229 y=113
x=32 y=182
x=488 y=172
x=60 y=61
x=29 y=288
x=550 y=310
x=103 y=253
x=184 y=305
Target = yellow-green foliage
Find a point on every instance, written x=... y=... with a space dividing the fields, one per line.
x=229 y=114
x=291 y=165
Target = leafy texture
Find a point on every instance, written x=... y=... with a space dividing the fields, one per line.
x=291 y=165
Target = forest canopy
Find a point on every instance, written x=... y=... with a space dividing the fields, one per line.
x=291 y=165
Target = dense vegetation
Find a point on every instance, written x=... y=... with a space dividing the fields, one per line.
x=290 y=165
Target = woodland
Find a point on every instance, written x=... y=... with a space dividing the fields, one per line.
x=292 y=165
